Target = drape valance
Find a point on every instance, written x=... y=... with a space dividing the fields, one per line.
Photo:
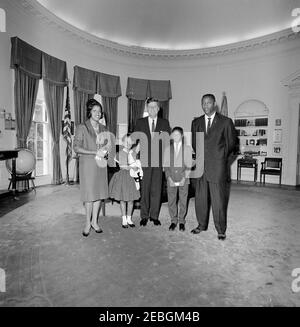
x=140 y=89
x=94 y=82
x=37 y=63
x=54 y=70
x=26 y=57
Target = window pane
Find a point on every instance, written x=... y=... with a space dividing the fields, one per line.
x=40 y=131
x=39 y=135
x=38 y=112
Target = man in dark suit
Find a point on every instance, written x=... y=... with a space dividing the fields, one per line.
x=153 y=127
x=212 y=189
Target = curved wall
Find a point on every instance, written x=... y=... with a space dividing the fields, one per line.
x=255 y=73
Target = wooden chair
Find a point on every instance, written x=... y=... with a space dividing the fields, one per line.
x=271 y=166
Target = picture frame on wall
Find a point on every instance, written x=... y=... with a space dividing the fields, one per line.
x=10 y=124
x=277 y=137
x=277 y=122
x=277 y=149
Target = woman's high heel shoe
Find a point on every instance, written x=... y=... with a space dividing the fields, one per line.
x=85 y=234
x=97 y=230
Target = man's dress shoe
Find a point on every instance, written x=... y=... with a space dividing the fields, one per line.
x=172 y=227
x=196 y=230
x=143 y=222
x=222 y=237
x=156 y=222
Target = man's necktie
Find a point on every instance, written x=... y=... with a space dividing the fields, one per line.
x=152 y=128
x=208 y=125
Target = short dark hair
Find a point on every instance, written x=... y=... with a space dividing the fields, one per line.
x=208 y=95
x=90 y=104
x=149 y=100
x=178 y=129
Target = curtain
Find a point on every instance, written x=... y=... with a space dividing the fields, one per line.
x=164 y=109
x=135 y=111
x=26 y=88
x=30 y=65
x=138 y=90
x=110 y=108
x=160 y=90
x=80 y=99
x=54 y=96
x=55 y=78
x=26 y=58
x=87 y=83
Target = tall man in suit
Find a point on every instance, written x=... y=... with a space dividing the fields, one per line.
x=153 y=127
x=212 y=189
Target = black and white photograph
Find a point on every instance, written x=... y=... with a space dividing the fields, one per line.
x=149 y=156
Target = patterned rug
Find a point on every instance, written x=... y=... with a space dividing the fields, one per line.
x=49 y=263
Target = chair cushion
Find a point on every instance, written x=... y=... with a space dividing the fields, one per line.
x=270 y=171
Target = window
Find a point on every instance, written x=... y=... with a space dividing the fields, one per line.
x=39 y=138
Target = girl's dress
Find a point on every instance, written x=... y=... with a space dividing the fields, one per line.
x=122 y=186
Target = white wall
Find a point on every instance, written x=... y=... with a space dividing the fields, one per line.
x=255 y=74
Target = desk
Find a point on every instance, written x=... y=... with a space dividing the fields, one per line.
x=11 y=154
x=246 y=163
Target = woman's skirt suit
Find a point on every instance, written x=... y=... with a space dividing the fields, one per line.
x=93 y=179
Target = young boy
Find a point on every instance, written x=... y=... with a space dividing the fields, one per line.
x=177 y=164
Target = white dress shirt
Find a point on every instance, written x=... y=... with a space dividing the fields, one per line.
x=177 y=147
x=211 y=120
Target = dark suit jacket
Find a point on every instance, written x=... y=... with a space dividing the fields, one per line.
x=178 y=166
x=219 y=144
x=162 y=125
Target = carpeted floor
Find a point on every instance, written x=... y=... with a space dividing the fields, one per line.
x=49 y=263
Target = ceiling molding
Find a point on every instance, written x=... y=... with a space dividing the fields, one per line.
x=292 y=79
x=35 y=8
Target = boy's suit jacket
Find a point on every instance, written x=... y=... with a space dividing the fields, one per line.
x=178 y=166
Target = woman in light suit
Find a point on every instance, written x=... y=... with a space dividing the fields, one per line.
x=93 y=177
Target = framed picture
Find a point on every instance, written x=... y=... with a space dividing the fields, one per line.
x=13 y=124
x=277 y=137
x=10 y=124
x=277 y=122
x=277 y=149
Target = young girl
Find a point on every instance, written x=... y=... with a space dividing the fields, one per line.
x=122 y=186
